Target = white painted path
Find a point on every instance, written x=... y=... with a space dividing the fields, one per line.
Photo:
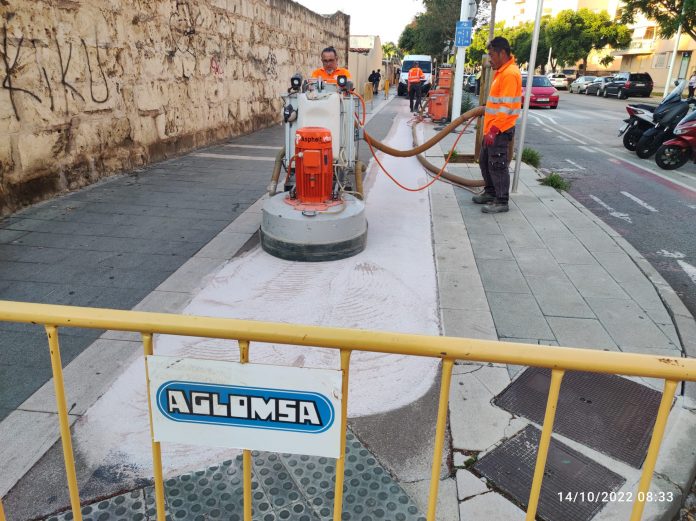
x=390 y=286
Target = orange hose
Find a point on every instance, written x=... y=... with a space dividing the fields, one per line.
x=364 y=114
x=425 y=146
x=449 y=156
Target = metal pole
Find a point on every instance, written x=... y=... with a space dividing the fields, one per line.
x=527 y=95
x=459 y=68
x=672 y=60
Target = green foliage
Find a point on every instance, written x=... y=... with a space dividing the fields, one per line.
x=531 y=157
x=573 y=34
x=389 y=50
x=520 y=38
x=556 y=181
x=467 y=102
x=479 y=42
x=407 y=40
x=606 y=60
x=433 y=30
x=667 y=13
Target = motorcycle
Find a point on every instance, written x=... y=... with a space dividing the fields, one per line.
x=643 y=117
x=664 y=127
x=677 y=151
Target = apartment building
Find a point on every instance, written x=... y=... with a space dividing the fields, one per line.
x=647 y=52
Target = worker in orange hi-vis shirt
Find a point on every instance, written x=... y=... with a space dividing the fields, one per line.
x=415 y=77
x=500 y=115
x=330 y=70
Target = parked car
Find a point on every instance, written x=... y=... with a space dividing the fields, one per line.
x=598 y=85
x=558 y=80
x=581 y=84
x=470 y=83
x=543 y=92
x=627 y=84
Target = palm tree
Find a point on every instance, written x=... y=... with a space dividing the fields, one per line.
x=390 y=50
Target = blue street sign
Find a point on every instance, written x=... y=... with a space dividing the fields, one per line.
x=462 y=33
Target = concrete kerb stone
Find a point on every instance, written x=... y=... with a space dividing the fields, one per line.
x=676 y=466
x=683 y=320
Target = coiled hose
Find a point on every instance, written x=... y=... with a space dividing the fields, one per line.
x=416 y=151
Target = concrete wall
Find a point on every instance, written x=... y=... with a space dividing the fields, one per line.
x=94 y=87
x=361 y=64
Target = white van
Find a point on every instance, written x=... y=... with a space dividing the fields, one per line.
x=425 y=62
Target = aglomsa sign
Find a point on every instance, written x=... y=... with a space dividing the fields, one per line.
x=246 y=406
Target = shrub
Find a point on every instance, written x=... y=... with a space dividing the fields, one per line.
x=531 y=157
x=555 y=181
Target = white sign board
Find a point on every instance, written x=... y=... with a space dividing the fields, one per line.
x=246 y=406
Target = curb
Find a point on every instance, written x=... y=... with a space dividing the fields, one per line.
x=682 y=318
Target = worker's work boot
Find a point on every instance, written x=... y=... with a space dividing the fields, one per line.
x=495 y=208
x=483 y=198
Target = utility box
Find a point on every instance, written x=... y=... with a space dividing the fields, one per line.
x=444 y=80
x=438 y=104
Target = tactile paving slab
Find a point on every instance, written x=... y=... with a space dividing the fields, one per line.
x=575 y=488
x=608 y=413
x=285 y=487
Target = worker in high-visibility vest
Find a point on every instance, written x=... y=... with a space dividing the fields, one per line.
x=415 y=77
x=499 y=117
x=330 y=70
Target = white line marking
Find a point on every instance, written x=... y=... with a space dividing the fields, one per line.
x=612 y=212
x=243 y=158
x=260 y=147
x=689 y=269
x=547 y=130
x=639 y=201
x=671 y=254
x=638 y=165
x=588 y=149
x=563 y=138
x=557 y=170
x=545 y=116
x=575 y=164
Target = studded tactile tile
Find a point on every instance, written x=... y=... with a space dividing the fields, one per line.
x=606 y=412
x=573 y=487
x=285 y=487
x=126 y=507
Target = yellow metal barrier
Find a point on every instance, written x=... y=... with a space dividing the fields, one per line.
x=449 y=349
x=386 y=89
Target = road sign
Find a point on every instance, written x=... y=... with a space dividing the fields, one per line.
x=246 y=406
x=462 y=33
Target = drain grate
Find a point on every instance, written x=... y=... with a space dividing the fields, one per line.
x=605 y=412
x=284 y=487
x=574 y=488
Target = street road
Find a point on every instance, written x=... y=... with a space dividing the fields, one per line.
x=653 y=209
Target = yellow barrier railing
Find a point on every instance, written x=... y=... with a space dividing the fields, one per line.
x=449 y=349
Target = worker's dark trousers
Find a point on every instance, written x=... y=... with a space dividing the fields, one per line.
x=414 y=90
x=494 y=166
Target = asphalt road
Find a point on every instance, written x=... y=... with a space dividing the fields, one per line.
x=654 y=209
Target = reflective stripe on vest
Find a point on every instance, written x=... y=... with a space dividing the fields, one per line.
x=505 y=98
x=503 y=110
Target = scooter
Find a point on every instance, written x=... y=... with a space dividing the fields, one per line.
x=677 y=151
x=664 y=127
x=643 y=117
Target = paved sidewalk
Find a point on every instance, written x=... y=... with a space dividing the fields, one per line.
x=547 y=272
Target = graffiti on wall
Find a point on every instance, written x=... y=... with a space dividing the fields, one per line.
x=14 y=59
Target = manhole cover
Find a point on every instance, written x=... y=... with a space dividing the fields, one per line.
x=574 y=488
x=605 y=412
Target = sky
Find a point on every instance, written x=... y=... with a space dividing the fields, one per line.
x=383 y=18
